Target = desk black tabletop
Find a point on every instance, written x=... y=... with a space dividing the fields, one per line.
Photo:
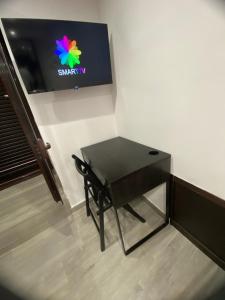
x=117 y=158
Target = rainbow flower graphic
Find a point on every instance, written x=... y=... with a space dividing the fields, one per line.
x=68 y=52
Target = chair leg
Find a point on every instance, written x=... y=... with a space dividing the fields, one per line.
x=101 y=224
x=134 y=213
x=120 y=231
x=87 y=199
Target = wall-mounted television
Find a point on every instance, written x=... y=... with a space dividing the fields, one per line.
x=54 y=55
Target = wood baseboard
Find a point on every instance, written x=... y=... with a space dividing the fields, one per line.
x=200 y=216
x=77 y=206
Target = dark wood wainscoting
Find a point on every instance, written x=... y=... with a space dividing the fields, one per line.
x=200 y=216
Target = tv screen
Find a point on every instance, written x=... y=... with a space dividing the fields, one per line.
x=56 y=55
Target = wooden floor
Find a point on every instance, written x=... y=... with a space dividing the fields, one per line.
x=48 y=253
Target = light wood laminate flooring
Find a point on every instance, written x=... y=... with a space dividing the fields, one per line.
x=47 y=252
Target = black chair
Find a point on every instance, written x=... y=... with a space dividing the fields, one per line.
x=100 y=196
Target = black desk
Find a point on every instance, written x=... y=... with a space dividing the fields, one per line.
x=129 y=169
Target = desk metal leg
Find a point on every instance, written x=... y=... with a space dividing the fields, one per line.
x=168 y=199
x=151 y=234
x=101 y=223
x=120 y=231
x=148 y=236
x=134 y=213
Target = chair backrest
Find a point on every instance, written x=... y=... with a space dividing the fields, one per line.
x=84 y=170
x=80 y=166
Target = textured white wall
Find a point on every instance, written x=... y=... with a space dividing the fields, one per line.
x=169 y=61
x=68 y=120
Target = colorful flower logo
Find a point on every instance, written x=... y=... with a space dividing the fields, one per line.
x=68 y=52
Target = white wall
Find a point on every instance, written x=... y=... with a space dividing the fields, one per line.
x=68 y=120
x=169 y=61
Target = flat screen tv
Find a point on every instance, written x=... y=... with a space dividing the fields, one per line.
x=56 y=55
